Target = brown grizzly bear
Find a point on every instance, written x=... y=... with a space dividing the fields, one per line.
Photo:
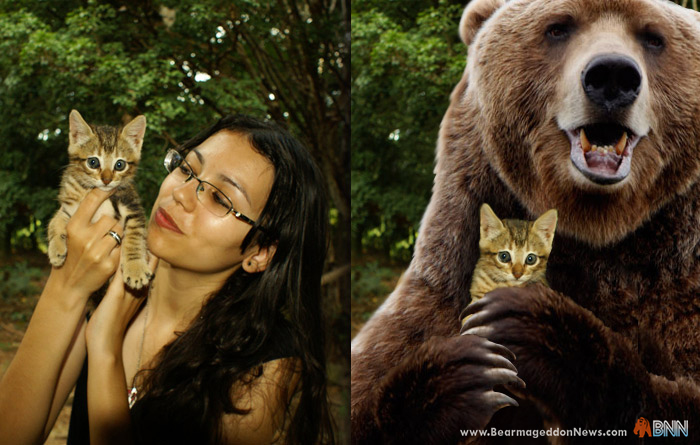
x=593 y=108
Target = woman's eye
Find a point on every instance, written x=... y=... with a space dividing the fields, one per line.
x=219 y=199
x=185 y=170
x=530 y=259
x=93 y=163
x=120 y=165
x=504 y=257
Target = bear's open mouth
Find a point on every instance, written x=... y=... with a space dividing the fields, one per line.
x=602 y=152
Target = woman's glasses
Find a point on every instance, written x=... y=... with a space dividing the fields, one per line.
x=207 y=193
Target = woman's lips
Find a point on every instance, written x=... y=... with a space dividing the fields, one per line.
x=166 y=221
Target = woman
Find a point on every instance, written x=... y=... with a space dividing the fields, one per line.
x=228 y=347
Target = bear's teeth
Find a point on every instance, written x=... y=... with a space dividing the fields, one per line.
x=620 y=146
x=585 y=144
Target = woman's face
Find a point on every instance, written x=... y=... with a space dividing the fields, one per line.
x=183 y=232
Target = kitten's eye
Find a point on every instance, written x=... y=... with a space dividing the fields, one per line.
x=93 y=163
x=531 y=259
x=504 y=257
x=120 y=165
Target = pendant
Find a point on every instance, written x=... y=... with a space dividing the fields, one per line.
x=132 y=396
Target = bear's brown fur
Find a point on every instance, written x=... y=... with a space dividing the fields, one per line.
x=618 y=335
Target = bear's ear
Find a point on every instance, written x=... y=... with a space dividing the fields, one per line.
x=475 y=14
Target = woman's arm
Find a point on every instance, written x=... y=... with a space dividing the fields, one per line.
x=108 y=409
x=70 y=372
x=267 y=399
x=28 y=388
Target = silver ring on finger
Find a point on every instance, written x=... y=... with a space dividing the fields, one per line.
x=116 y=237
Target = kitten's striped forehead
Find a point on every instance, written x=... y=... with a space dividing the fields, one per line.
x=108 y=140
x=107 y=137
x=518 y=231
x=519 y=234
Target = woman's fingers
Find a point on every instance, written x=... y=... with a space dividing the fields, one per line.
x=103 y=226
x=102 y=244
x=88 y=206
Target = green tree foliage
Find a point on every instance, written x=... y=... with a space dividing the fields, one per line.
x=407 y=57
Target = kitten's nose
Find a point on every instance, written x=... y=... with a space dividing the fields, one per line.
x=517 y=271
x=106 y=181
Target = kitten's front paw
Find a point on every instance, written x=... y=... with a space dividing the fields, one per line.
x=57 y=252
x=136 y=273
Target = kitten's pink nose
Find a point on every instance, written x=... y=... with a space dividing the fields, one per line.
x=106 y=181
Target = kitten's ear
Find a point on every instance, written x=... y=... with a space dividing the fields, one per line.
x=490 y=224
x=545 y=226
x=79 y=130
x=133 y=132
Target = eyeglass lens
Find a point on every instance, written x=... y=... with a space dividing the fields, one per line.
x=211 y=197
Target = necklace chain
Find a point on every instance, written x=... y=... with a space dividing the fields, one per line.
x=133 y=392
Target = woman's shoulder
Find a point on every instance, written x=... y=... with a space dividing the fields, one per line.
x=267 y=403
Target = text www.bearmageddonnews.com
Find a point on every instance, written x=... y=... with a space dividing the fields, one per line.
x=551 y=432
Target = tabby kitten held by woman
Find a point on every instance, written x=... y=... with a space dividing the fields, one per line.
x=227 y=347
x=106 y=158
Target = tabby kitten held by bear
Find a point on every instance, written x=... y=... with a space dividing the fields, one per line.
x=512 y=252
x=104 y=157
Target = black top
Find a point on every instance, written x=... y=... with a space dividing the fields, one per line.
x=79 y=432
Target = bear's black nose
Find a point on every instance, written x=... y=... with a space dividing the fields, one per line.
x=612 y=81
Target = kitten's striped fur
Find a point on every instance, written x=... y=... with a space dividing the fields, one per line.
x=516 y=239
x=108 y=145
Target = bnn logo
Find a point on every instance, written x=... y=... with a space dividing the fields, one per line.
x=661 y=428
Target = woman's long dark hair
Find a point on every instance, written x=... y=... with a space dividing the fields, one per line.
x=253 y=318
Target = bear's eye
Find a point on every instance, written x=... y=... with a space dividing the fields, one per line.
x=558 y=31
x=504 y=257
x=653 y=41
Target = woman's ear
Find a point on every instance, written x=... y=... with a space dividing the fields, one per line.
x=259 y=258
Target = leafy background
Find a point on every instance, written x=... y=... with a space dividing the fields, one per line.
x=407 y=57
x=183 y=64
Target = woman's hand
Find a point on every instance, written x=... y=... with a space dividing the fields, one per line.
x=92 y=256
x=107 y=326
x=47 y=363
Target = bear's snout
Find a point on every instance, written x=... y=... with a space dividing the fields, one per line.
x=612 y=81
